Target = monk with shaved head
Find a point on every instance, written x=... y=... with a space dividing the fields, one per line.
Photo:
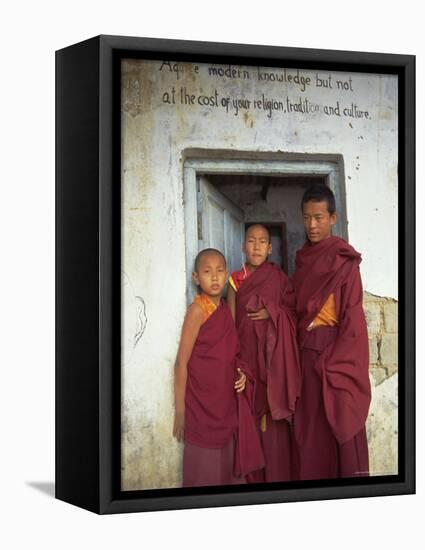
x=213 y=388
x=261 y=299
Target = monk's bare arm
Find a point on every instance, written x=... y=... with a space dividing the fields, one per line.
x=190 y=330
x=231 y=300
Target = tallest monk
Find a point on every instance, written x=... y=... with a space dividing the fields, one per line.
x=330 y=416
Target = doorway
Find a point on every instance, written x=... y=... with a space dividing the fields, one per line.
x=223 y=196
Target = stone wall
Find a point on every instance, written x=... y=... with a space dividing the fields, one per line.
x=382 y=424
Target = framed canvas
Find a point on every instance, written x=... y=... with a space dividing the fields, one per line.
x=168 y=147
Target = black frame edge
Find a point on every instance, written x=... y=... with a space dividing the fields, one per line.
x=77 y=282
x=409 y=242
x=260 y=51
x=101 y=495
x=253 y=498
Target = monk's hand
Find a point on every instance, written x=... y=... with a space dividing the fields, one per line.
x=178 y=428
x=240 y=382
x=259 y=314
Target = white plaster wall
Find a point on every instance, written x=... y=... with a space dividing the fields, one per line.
x=154 y=135
x=382 y=427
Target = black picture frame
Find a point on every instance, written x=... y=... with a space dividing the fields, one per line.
x=88 y=274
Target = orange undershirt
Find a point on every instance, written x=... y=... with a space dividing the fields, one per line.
x=327 y=315
x=238 y=277
x=208 y=306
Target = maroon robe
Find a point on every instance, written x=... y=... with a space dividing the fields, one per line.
x=217 y=418
x=330 y=417
x=269 y=347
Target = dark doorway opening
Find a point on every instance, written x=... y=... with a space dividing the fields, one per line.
x=273 y=201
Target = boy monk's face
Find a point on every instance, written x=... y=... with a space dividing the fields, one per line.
x=317 y=221
x=211 y=275
x=257 y=246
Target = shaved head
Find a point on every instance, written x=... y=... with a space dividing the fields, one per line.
x=208 y=252
x=255 y=226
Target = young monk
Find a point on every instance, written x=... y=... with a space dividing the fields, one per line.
x=262 y=302
x=329 y=422
x=215 y=423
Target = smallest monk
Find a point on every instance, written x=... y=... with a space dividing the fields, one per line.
x=213 y=388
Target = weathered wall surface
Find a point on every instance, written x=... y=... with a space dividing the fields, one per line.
x=382 y=424
x=168 y=109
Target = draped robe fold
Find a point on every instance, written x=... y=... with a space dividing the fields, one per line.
x=329 y=422
x=221 y=443
x=270 y=349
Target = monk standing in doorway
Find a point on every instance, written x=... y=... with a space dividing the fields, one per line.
x=262 y=302
x=330 y=416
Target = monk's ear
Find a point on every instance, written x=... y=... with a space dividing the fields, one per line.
x=333 y=218
x=195 y=278
x=270 y=248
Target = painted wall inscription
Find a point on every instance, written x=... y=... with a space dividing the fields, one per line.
x=294 y=81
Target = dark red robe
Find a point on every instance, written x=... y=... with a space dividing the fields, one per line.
x=269 y=347
x=216 y=417
x=330 y=417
